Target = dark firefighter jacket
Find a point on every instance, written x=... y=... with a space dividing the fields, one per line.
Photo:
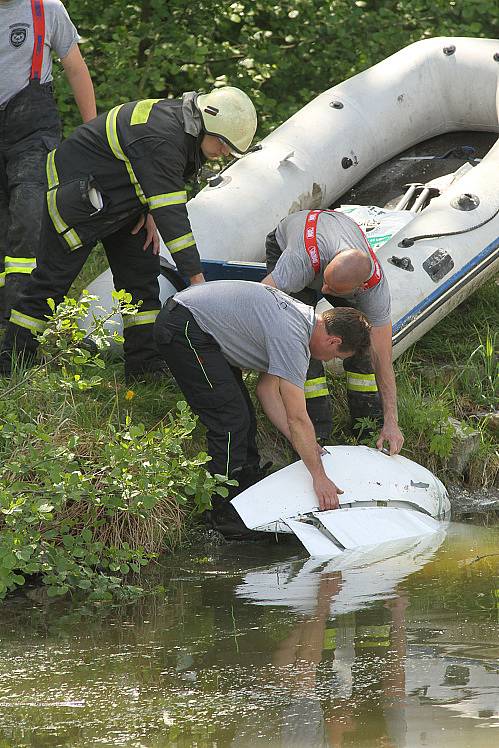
x=138 y=157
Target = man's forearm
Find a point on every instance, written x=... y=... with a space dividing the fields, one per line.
x=381 y=352
x=304 y=441
x=271 y=401
x=385 y=379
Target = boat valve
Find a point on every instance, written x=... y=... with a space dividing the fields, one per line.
x=449 y=50
x=466 y=201
x=347 y=162
x=215 y=180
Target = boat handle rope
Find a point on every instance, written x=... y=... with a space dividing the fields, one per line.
x=409 y=240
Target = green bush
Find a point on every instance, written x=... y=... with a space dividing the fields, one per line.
x=282 y=54
x=85 y=502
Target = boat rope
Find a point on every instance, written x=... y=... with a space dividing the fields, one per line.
x=409 y=240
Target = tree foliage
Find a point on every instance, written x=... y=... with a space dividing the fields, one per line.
x=282 y=54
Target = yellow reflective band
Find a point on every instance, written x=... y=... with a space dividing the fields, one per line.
x=52 y=176
x=2 y=280
x=69 y=235
x=356 y=375
x=312 y=382
x=72 y=239
x=19 y=265
x=169 y=198
x=316 y=388
x=182 y=242
x=114 y=144
x=111 y=132
x=316 y=393
x=361 y=382
x=59 y=224
x=30 y=323
x=142 y=110
x=141 y=318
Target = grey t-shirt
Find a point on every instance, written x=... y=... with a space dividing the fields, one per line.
x=335 y=232
x=16 y=43
x=256 y=327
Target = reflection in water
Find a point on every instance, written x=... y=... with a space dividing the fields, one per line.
x=395 y=650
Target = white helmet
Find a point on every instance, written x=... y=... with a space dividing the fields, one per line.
x=229 y=114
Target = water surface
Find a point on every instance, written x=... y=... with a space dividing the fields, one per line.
x=257 y=644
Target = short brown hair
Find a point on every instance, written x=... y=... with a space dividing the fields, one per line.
x=351 y=326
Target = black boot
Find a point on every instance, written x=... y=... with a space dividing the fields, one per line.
x=18 y=350
x=224 y=518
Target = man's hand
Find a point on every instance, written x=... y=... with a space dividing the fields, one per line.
x=393 y=435
x=327 y=492
x=152 y=235
x=195 y=279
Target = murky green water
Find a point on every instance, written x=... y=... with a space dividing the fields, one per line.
x=259 y=645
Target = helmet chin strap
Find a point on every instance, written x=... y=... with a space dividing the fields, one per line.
x=198 y=155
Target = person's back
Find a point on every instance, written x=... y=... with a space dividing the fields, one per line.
x=256 y=327
x=335 y=232
x=143 y=140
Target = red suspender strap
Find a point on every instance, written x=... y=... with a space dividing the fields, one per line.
x=310 y=240
x=39 y=39
x=377 y=272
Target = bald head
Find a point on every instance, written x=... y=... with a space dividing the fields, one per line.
x=347 y=271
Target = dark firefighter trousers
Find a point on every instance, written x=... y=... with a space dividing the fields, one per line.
x=133 y=269
x=29 y=129
x=362 y=391
x=213 y=388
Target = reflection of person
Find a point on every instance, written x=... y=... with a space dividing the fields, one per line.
x=208 y=333
x=299 y=657
x=372 y=714
x=325 y=251
x=106 y=181
x=345 y=677
x=29 y=125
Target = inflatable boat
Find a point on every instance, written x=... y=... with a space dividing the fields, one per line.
x=368 y=128
x=385 y=499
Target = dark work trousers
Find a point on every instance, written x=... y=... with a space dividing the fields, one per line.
x=213 y=388
x=362 y=391
x=133 y=269
x=29 y=129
